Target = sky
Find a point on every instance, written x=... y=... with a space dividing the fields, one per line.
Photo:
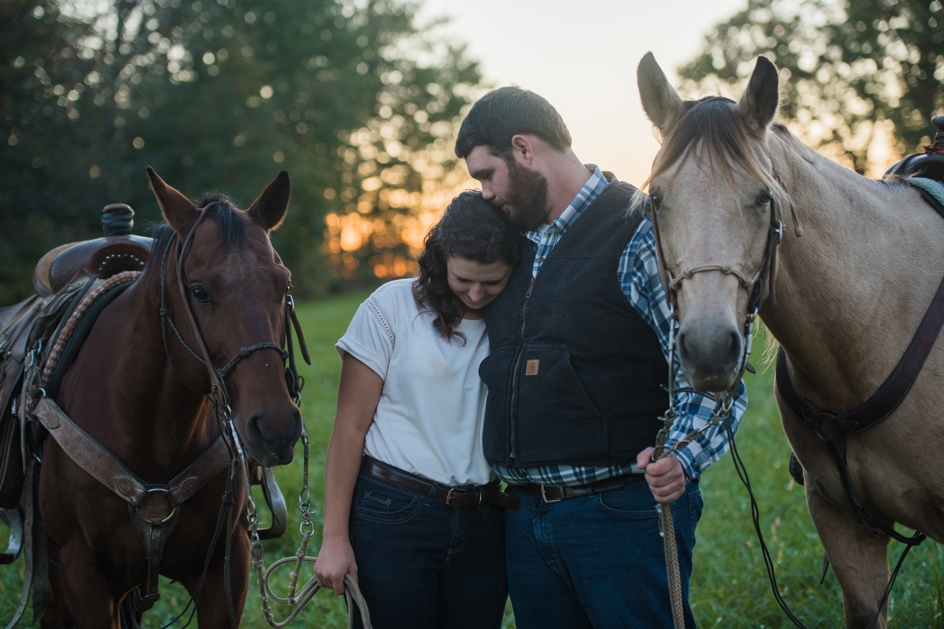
x=581 y=55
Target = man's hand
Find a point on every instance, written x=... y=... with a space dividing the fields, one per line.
x=665 y=477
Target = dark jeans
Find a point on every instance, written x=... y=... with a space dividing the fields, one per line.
x=422 y=564
x=597 y=562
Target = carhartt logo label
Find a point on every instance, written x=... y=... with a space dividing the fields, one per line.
x=532 y=367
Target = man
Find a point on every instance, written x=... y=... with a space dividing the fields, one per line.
x=576 y=382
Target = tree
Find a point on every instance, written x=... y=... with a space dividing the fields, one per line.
x=853 y=72
x=215 y=93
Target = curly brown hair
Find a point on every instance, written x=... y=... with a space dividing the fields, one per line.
x=470 y=228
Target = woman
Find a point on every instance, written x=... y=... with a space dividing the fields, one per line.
x=418 y=520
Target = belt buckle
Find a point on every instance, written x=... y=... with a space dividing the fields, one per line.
x=547 y=500
x=460 y=490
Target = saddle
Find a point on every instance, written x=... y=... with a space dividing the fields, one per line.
x=925 y=171
x=61 y=279
x=118 y=250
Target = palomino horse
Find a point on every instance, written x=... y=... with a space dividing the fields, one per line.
x=140 y=389
x=850 y=294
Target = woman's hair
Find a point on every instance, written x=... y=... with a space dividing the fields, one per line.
x=470 y=228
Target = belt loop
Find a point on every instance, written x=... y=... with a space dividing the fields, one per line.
x=431 y=495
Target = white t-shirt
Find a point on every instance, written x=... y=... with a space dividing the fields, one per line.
x=429 y=419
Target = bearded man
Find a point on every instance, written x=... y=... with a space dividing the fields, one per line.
x=577 y=379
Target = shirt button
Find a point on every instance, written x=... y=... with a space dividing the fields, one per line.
x=540 y=258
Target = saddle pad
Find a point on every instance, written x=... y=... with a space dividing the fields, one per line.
x=932 y=187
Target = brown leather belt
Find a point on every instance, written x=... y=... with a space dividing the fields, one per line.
x=458 y=497
x=553 y=493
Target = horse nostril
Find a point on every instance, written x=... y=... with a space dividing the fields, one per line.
x=734 y=349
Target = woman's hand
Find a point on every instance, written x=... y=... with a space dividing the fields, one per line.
x=334 y=561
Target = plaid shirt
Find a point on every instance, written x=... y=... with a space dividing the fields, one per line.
x=638 y=275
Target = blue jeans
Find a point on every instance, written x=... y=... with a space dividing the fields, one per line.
x=424 y=565
x=596 y=562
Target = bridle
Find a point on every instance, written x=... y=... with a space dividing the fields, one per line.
x=760 y=287
x=219 y=395
x=218 y=391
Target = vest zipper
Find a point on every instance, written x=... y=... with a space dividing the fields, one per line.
x=514 y=379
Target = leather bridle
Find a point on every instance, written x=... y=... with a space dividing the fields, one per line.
x=218 y=391
x=760 y=287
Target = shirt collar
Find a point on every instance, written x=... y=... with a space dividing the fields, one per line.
x=587 y=195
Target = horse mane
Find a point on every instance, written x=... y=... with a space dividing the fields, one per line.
x=230 y=221
x=713 y=123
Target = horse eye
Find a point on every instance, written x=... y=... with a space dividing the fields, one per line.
x=763 y=200
x=200 y=294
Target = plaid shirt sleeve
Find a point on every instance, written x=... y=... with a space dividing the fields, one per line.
x=639 y=280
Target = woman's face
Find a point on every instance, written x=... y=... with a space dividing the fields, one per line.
x=476 y=285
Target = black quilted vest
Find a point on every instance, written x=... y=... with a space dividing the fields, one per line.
x=574 y=376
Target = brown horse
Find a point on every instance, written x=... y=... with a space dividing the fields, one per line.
x=850 y=294
x=141 y=391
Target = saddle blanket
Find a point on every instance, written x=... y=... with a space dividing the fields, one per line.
x=932 y=187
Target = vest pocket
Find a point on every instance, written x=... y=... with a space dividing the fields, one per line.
x=556 y=420
x=497 y=371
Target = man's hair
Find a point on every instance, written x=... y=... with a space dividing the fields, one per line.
x=506 y=112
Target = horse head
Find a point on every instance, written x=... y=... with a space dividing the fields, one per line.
x=223 y=301
x=715 y=205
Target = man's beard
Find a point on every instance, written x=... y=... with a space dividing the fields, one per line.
x=527 y=197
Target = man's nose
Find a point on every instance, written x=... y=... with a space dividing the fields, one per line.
x=487 y=193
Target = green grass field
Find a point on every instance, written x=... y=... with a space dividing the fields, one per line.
x=729 y=587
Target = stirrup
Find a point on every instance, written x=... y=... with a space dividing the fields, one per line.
x=796 y=470
x=13 y=519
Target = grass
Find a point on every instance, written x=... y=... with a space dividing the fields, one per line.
x=729 y=587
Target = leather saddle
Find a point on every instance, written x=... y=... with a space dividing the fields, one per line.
x=118 y=250
x=930 y=164
x=60 y=280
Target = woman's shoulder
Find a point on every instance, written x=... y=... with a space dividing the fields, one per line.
x=394 y=293
x=393 y=299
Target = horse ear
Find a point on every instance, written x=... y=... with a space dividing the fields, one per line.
x=659 y=99
x=269 y=209
x=760 y=101
x=177 y=209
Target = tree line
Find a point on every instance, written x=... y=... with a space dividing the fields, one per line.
x=220 y=95
x=857 y=76
x=360 y=104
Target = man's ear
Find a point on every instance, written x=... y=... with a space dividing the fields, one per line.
x=522 y=149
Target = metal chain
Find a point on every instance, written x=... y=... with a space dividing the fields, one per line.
x=299 y=597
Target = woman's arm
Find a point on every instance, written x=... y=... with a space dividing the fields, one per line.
x=358 y=395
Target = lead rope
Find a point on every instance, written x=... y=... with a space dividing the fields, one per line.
x=724 y=406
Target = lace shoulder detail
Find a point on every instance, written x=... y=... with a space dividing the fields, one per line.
x=391 y=300
x=374 y=307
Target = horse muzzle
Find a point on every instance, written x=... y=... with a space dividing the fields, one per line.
x=270 y=438
x=710 y=353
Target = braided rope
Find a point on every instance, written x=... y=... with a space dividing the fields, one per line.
x=100 y=287
x=667 y=530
